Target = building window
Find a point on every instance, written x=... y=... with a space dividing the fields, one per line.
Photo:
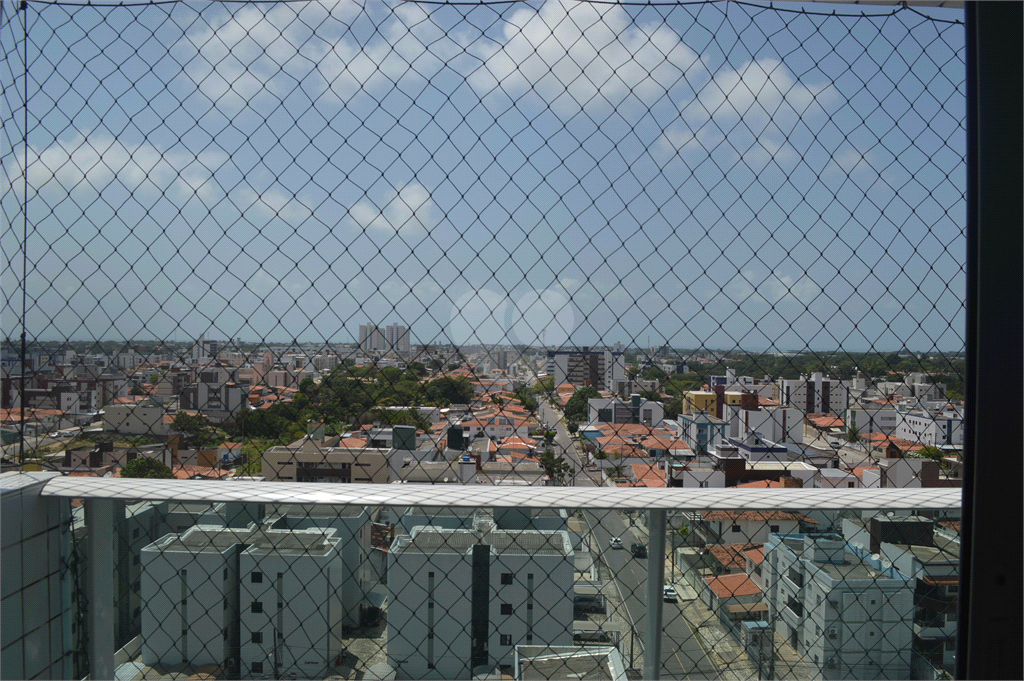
x=506 y=578
x=506 y=608
x=735 y=528
x=135 y=533
x=256 y=578
x=702 y=484
x=257 y=606
x=257 y=667
x=529 y=638
x=225 y=575
x=257 y=637
x=506 y=639
x=774 y=529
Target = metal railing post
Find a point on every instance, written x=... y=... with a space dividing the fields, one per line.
x=655 y=594
x=99 y=520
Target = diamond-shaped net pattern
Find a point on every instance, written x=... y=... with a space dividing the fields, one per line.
x=549 y=243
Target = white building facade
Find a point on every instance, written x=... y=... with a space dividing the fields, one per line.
x=461 y=600
x=845 y=613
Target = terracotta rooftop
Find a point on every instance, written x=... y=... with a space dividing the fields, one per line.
x=730 y=586
x=757 y=516
x=732 y=556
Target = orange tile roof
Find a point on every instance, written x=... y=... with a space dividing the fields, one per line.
x=755 y=555
x=206 y=472
x=731 y=586
x=757 y=516
x=761 y=484
x=732 y=555
x=825 y=420
x=647 y=475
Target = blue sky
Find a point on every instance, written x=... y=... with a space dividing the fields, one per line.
x=719 y=175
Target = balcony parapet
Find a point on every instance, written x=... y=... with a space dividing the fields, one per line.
x=473 y=496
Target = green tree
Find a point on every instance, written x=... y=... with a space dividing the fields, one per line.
x=136 y=390
x=197 y=433
x=555 y=466
x=929 y=452
x=154 y=378
x=577 y=407
x=145 y=467
x=416 y=371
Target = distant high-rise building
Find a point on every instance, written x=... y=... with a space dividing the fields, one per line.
x=398 y=338
x=595 y=367
x=371 y=338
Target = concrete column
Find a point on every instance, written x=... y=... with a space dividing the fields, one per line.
x=99 y=519
x=655 y=594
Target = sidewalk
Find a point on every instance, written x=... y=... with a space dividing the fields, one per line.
x=725 y=651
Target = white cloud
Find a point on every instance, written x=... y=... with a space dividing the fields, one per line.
x=93 y=162
x=577 y=55
x=408 y=211
x=763 y=93
x=274 y=49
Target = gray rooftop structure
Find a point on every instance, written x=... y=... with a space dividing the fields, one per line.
x=522 y=542
x=599 y=663
x=202 y=539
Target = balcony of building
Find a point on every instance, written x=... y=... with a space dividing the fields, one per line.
x=307 y=580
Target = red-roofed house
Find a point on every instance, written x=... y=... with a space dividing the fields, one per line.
x=738 y=589
x=645 y=475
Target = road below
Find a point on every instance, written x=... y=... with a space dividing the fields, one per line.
x=682 y=654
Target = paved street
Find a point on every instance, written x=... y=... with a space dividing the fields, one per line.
x=683 y=656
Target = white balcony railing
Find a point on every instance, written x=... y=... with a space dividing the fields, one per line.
x=649 y=644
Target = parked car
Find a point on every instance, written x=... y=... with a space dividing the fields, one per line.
x=639 y=550
x=670 y=594
x=616 y=542
x=588 y=603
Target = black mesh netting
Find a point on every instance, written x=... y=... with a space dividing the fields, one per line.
x=707 y=245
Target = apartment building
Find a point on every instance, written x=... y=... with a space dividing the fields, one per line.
x=310 y=462
x=925 y=553
x=461 y=600
x=843 y=611
x=145 y=417
x=816 y=394
x=701 y=430
x=775 y=423
x=352 y=529
x=602 y=369
x=265 y=598
x=617 y=410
